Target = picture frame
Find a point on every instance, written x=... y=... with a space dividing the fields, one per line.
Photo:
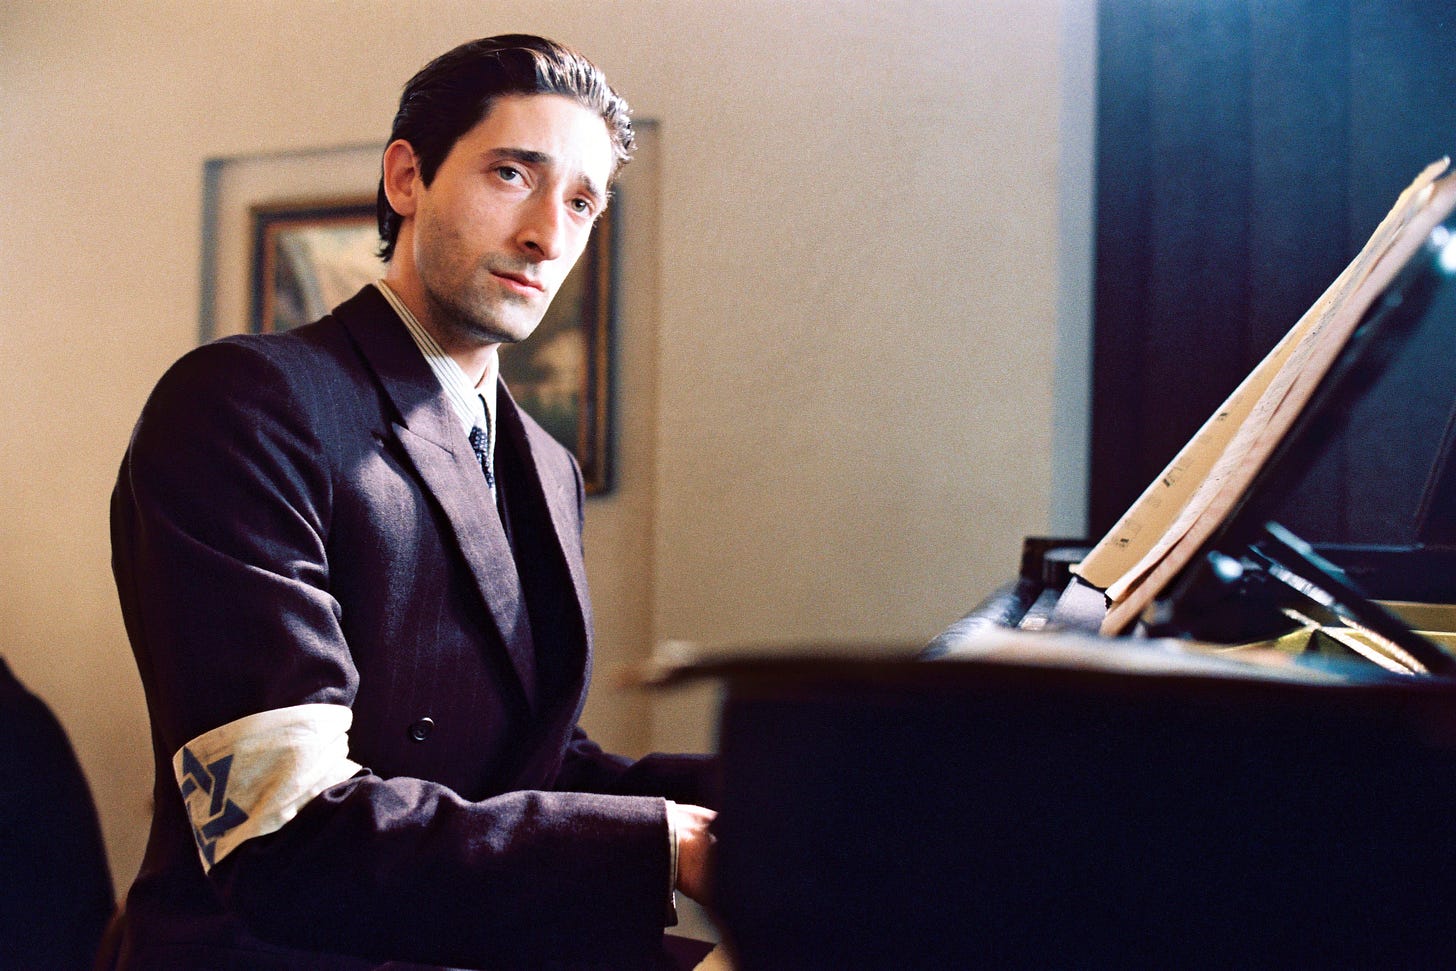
x=308 y=255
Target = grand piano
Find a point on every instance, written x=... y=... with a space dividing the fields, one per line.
x=1259 y=771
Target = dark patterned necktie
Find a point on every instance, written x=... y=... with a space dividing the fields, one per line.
x=480 y=441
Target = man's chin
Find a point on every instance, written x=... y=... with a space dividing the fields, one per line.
x=502 y=336
x=500 y=331
x=484 y=322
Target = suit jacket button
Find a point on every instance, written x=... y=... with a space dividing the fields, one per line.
x=421 y=729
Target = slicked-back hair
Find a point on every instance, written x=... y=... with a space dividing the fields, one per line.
x=454 y=92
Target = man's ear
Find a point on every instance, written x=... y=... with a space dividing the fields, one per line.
x=401 y=177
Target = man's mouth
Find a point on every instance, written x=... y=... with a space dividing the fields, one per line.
x=519 y=281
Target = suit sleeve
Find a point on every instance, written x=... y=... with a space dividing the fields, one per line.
x=682 y=778
x=220 y=526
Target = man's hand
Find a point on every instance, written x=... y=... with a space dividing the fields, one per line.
x=694 y=848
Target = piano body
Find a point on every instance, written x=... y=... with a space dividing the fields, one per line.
x=1228 y=783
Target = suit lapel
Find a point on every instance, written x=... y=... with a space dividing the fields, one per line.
x=547 y=481
x=558 y=485
x=431 y=436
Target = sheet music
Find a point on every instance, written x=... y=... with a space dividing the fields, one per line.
x=1187 y=502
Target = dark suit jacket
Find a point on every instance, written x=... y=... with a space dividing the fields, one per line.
x=300 y=519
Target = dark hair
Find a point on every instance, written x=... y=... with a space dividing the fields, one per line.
x=451 y=94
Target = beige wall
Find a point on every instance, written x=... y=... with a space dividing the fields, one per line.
x=853 y=346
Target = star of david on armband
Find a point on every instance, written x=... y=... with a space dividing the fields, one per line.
x=248 y=778
x=209 y=784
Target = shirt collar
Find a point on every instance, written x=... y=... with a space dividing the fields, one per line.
x=472 y=404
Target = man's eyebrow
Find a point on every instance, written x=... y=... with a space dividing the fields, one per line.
x=526 y=156
x=531 y=156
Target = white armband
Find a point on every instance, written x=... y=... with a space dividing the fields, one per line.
x=249 y=777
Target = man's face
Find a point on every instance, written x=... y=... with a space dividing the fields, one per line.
x=507 y=215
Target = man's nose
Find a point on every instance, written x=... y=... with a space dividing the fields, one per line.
x=543 y=229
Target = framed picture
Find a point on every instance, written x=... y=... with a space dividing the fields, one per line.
x=310 y=255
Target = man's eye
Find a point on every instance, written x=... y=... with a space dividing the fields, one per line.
x=582 y=206
x=508 y=173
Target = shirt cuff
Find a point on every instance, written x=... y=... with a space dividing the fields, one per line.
x=670 y=916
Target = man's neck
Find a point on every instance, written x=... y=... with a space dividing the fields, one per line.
x=475 y=359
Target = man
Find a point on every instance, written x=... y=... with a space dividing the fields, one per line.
x=351 y=572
